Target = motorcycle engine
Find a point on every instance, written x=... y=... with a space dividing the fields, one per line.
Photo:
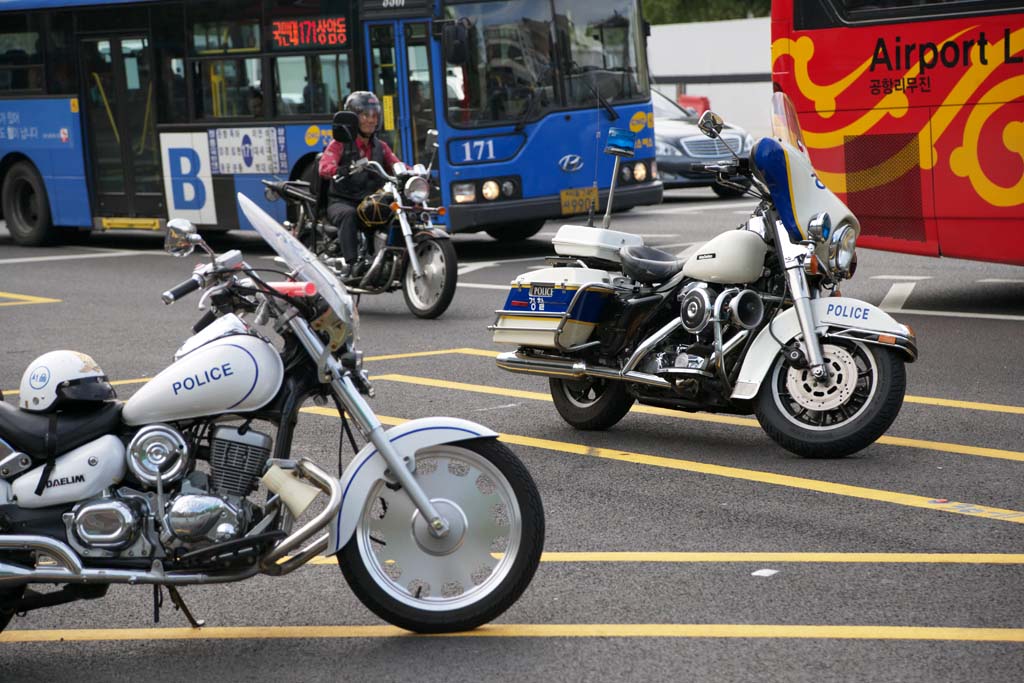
x=215 y=509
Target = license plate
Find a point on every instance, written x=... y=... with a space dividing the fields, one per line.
x=538 y=290
x=579 y=200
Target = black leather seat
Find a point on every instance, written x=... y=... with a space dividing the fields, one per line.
x=649 y=265
x=26 y=431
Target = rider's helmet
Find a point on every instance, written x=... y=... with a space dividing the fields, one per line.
x=375 y=209
x=63 y=379
x=363 y=102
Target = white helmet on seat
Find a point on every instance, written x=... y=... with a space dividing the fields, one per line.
x=63 y=379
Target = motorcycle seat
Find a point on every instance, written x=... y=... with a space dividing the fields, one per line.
x=26 y=431
x=649 y=265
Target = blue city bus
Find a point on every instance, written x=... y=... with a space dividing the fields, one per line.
x=121 y=114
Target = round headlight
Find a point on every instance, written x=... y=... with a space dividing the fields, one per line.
x=639 y=173
x=417 y=190
x=490 y=190
x=508 y=188
x=842 y=248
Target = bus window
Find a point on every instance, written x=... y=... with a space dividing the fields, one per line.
x=62 y=77
x=169 y=61
x=310 y=84
x=222 y=27
x=228 y=88
x=21 y=58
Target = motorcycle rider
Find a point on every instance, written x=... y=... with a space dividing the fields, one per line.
x=345 y=193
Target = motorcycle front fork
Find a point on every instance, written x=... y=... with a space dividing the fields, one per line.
x=410 y=244
x=368 y=423
x=793 y=257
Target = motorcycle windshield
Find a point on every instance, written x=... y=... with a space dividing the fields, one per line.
x=305 y=264
x=785 y=124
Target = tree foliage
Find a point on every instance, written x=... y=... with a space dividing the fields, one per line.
x=680 y=11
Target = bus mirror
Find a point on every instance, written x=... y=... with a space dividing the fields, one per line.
x=456 y=43
x=344 y=126
x=431 y=141
x=710 y=124
x=181 y=238
x=620 y=143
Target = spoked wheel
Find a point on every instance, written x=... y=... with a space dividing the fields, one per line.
x=430 y=295
x=834 y=419
x=436 y=585
x=590 y=403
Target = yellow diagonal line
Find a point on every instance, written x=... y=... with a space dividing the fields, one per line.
x=759 y=557
x=773 y=631
x=959 y=449
x=760 y=477
x=926 y=400
x=24 y=299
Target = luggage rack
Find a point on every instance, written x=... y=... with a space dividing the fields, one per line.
x=562 y=318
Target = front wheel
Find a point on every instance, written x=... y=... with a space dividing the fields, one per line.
x=429 y=296
x=833 y=420
x=478 y=570
x=590 y=403
x=25 y=206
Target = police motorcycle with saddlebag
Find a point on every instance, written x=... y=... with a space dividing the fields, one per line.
x=436 y=525
x=751 y=322
x=399 y=246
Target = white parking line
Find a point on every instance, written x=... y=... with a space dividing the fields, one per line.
x=480 y=285
x=901 y=277
x=1002 y=280
x=73 y=257
x=897 y=296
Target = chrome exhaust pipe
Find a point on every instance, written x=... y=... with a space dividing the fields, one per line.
x=332 y=487
x=69 y=568
x=570 y=369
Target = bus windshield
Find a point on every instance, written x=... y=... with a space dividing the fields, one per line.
x=526 y=59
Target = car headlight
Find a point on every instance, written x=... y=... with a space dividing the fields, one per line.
x=748 y=143
x=639 y=172
x=464 y=193
x=663 y=149
x=842 y=248
x=417 y=190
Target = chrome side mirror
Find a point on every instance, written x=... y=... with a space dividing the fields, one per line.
x=819 y=228
x=710 y=124
x=182 y=238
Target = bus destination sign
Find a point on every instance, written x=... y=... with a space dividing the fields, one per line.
x=309 y=33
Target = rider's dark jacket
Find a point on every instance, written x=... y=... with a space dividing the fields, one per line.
x=353 y=188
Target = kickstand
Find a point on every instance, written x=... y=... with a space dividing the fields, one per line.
x=179 y=603
x=158 y=601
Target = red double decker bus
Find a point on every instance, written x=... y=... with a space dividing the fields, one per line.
x=913 y=111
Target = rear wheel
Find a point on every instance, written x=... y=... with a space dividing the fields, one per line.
x=515 y=232
x=590 y=403
x=429 y=296
x=25 y=205
x=833 y=420
x=437 y=585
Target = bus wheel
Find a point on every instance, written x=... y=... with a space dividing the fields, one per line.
x=26 y=206
x=515 y=232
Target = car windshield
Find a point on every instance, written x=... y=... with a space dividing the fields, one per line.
x=525 y=59
x=306 y=266
x=667 y=110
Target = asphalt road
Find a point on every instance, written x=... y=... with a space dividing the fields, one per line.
x=678 y=546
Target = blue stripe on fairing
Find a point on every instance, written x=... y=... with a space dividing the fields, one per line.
x=771 y=161
x=337 y=527
x=255 y=379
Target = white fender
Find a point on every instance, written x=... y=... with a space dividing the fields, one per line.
x=368 y=466
x=833 y=312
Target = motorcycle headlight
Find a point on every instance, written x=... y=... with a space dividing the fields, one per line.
x=417 y=190
x=842 y=248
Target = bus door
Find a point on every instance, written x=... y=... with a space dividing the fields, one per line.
x=398 y=59
x=119 y=103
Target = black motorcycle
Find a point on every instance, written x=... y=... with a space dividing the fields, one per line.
x=399 y=246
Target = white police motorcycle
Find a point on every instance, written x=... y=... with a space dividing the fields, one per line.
x=751 y=322
x=436 y=525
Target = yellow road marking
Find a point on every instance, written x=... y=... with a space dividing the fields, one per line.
x=907 y=499
x=25 y=299
x=960 y=449
x=748 y=631
x=926 y=400
x=805 y=558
